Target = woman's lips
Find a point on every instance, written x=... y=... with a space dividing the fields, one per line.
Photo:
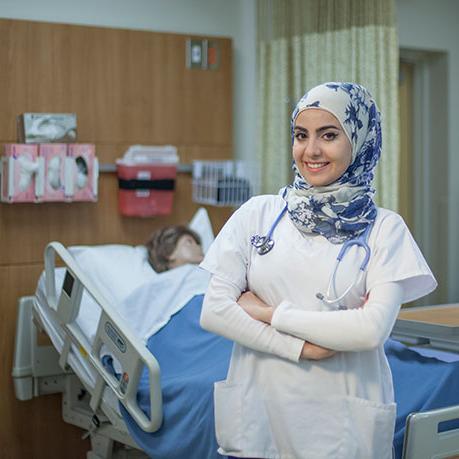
x=316 y=167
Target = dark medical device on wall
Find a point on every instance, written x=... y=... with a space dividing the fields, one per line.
x=202 y=54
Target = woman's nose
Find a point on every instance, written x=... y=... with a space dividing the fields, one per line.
x=312 y=148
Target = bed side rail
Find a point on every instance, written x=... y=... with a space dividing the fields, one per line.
x=113 y=336
x=423 y=439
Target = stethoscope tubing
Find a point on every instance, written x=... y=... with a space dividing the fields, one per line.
x=264 y=244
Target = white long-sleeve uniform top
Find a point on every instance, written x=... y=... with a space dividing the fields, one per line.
x=274 y=405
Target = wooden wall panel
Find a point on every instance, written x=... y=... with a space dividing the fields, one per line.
x=32 y=429
x=126 y=87
x=25 y=229
x=405 y=196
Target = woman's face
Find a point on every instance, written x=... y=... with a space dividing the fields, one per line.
x=321 y=149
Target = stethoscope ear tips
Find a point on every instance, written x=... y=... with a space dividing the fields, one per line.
x=319 y=296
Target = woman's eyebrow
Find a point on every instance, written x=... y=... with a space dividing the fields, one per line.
x=329 y=126
x=299 y=128
x=321 y=129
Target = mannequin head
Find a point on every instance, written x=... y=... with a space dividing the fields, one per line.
x=173 y=246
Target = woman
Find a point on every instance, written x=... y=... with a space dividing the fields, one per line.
x=308 y=376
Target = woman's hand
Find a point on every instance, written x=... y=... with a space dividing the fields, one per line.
x=314 y=352
x=259 y=310
x=255 y=308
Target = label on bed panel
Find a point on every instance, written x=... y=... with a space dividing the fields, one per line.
x=83 y=352
x=115 y=337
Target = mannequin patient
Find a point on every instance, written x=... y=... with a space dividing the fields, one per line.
x=173 y=246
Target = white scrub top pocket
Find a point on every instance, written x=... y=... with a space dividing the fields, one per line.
x=372 y=425
x=316 y=427
x=228 y=416
x=235 y=408
x=332 y=427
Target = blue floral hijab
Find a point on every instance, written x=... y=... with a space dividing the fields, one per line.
x=343 y=209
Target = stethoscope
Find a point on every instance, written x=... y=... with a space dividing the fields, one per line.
x=264 y=244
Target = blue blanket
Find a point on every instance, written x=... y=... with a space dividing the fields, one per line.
x=191 y=360
x=420 y=384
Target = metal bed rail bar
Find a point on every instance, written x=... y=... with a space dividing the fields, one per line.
x=112 y=335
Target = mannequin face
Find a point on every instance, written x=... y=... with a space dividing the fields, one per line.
x=186 y=251
x=321 y=149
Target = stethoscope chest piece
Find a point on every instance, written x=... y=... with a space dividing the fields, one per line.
x=262 y=244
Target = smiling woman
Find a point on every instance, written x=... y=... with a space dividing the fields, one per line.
x=308 y=373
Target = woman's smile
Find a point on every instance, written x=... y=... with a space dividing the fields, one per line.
x=316 y=167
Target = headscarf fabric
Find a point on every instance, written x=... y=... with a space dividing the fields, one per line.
x=343 y=209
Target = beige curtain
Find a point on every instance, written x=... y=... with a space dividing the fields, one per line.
x=302 y=43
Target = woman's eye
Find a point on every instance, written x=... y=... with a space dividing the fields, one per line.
x=300 y=136
x=330 y=135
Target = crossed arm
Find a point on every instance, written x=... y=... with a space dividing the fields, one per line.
x=262 y=312
x=292 y=332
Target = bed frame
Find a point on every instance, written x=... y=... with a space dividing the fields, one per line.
x=423 y=440
x=436 y=327
x=39 y=369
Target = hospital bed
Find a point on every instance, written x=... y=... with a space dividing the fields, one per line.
x=103 y=400
x=431 y=330
x=77 y=304
x=73 y=365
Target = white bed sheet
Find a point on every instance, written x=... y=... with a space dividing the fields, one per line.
x=145 y=310
x=150 y=306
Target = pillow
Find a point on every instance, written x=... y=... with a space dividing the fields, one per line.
x=200 y=223
x=117 y=270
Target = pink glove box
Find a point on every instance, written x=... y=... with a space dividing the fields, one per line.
x=22 y=173
x=82 y=172
x=54 y=156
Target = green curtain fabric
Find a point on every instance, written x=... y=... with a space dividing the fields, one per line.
x=302 y=43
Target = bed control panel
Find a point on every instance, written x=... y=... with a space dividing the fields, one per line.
x=68 y=284
x=69 y=301
x=111 y=332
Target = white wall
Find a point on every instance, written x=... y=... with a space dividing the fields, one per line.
x=432 y=25
x=228 y=18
